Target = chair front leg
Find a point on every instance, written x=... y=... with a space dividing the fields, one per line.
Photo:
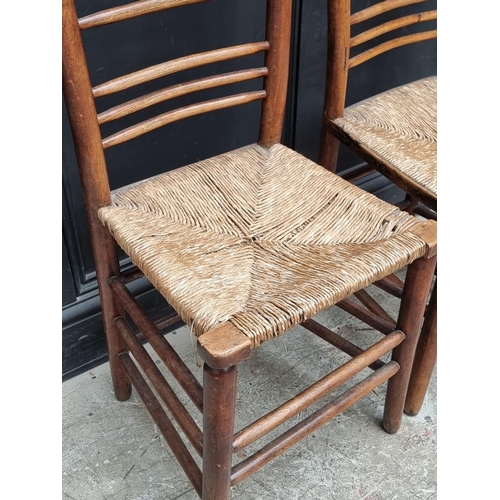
x=219 y=405
x=413 y=303
x=425 y=359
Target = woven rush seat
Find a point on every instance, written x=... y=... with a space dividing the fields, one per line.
x=399 y=129
x=262 y=238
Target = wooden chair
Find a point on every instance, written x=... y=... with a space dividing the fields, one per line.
x=394 y=132
x=244 y=246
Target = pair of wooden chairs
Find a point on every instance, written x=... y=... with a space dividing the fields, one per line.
x=244 y=246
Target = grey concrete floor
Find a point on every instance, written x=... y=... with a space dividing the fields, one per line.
x=113 y=450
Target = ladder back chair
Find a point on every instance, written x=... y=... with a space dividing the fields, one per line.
x=394 y=132
x=244 y=246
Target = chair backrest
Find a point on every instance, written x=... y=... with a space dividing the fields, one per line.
x=80 y=95
x=370 y=26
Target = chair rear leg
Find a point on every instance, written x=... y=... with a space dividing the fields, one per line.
x=413 y=303
x=219 y=405
x=329 y=150
x=106 y=262
x=121 y=383
x=425 y=359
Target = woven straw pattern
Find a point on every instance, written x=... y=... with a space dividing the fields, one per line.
x=263 y=238
x=400 y=127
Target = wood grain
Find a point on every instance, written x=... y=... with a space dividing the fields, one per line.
x=336 y=79
x=224 y=346
x=413 y=303
x=336 y=340
x=311 y=423
x=162 y=387
x=372 y=305
x=180 y=114
x=128 y=11
x=278 y=33
x=178 y=90
x=176 y=65
x=368 y=317
x=94 y=179
x=315 y=392
x=159 y=343
x=218 y=424
x=393 y=25
x=161 y=419
x=392 y=44
x=425 y=359
x=391 y=284
x=380 y=8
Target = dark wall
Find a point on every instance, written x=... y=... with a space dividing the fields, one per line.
x=175 y=33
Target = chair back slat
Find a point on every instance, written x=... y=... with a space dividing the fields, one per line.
x=129 y=11
x=176 y=65
x=178 y=90
x=380 y=8
x=395 y=24
x=392 y=44
x=80 y=95
x=179 y=114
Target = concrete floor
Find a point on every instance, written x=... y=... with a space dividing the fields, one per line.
x=113 y=450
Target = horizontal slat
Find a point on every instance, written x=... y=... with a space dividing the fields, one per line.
x=355 y=174
x=159 y=343
x=392 y=44
x=337 y=341
x=169 y=320
x=311 y=423
x=393 y=25
x=178 y=90
x=163 y=388
x=317 y=391
x=380 y=8
x=166 y=427
x=128 y=11
x=179 y=114
x=391 y=284
x=367 y=316
x=372 y=305
x=174 y=66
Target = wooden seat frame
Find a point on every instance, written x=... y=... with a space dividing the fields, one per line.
x=340 y=62
x=223 y=347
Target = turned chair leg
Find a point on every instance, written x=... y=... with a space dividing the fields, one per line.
x=413 y=303
x=425 y=359
x=219 y=405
